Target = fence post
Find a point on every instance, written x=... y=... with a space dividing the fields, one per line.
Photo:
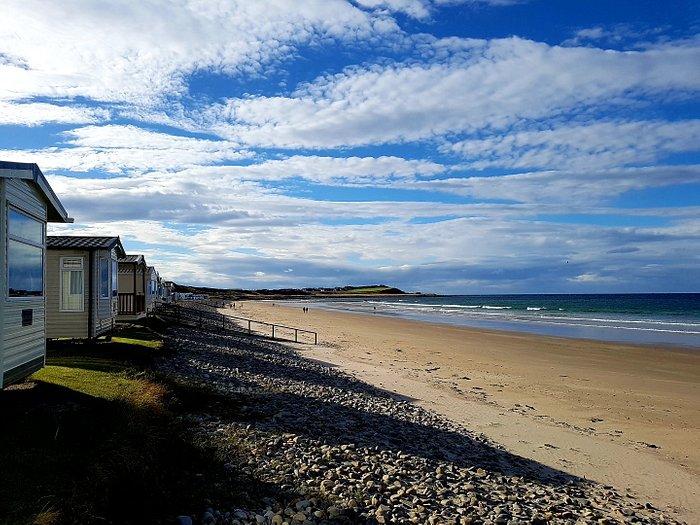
x=315 y=338
x=296 y=338
x=249 y=326
x=273 y=331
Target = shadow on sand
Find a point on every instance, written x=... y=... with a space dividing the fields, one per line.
x=287 y=393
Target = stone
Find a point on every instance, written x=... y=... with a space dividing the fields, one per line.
x=410 y=465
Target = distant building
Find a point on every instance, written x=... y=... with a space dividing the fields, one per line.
x=168 y=291
x=27 y=203
x=152 y=292
x=132 y=287
x=81 y=286
x=189 y=296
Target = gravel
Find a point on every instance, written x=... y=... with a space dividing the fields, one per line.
x=338 y=450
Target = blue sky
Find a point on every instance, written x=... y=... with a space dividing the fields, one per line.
x=460 y=146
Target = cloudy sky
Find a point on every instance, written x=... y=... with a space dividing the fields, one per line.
x=473 y=146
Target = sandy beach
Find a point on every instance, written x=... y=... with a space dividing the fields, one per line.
x=627 y=416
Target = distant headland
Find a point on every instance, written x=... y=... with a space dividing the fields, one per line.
x=372 y=290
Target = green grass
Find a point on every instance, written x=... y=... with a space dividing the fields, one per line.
x=109 y=385
x=139 y=342
x=139 y=336
x=95 y=437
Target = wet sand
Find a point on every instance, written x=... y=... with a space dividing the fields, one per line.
x=624 y=415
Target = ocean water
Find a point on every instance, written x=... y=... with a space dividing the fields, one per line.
x=662 y=319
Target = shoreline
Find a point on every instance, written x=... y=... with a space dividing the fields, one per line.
x=621 y=414
x=496 y=331
x=543 y=327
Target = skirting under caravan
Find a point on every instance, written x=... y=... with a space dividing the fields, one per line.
x=27 y=203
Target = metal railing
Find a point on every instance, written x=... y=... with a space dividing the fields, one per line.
x=275 y=328
x=205 y=316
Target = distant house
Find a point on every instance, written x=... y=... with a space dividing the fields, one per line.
x=152 y=290
x=190 y=296
x=81 y=286
x=161 y=288
x=27 y=203
x=168 y=290
x=132 y=287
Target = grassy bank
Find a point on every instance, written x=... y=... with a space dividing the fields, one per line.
x=95 y=437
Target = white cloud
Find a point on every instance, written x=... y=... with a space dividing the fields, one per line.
x=213 y=225
x=232 y=225
x=489 y=85
x=440 y=256
x=176 y=166
x=615 y=35
x=137 y=52
x=592 y=145
x=489 y=2
x=413 y=8
x=219 y=196
x=591 y=277
x=341 y=171
x=36 y=113
x=115 y=148
x=573 y=187
x=422 y=9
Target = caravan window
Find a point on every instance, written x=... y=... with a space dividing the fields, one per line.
x=115 y=278
x=25 y=269
x=72 y=279
x=23 y=227
x=25 y=255
x=104 y=278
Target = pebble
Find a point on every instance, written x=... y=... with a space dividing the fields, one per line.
x=352 y=453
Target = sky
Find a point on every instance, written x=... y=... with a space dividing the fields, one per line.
x=452 y=146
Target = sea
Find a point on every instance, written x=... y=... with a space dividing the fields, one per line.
x=654 y=319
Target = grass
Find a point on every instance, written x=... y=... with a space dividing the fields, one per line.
x=110 y=385
x=95 y=437
x=139 y=336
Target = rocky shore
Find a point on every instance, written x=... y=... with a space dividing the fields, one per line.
x=329 y=448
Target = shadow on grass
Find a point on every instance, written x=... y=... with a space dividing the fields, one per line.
x=107 y=446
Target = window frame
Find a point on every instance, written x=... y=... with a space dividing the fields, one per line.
x=61 y=270
x=22 y=240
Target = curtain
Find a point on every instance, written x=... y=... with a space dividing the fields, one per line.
x=72 y=290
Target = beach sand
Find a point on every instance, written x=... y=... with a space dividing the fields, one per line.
x=627 y=416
